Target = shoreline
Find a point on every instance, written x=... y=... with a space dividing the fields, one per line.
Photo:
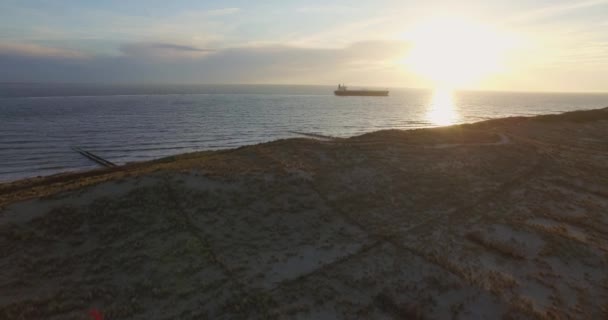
x=499 y=218
x=134 y=167
x=74 y=174
x=127 y=129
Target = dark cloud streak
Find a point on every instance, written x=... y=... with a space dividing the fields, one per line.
x=139 y=48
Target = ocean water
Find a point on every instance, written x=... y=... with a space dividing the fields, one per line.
x=39 y=124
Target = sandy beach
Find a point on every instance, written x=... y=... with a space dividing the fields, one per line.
x=504 y=218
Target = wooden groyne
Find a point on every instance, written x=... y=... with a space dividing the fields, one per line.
x=313 y=135
x=94 y=157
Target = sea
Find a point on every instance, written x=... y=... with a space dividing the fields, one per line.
x=41 y=123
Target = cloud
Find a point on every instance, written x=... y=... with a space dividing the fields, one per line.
x=222 y=12
x=555 y=10
x=186 y=25
x=176 y=63
x=343 y=32
x=326 y=9
x=162 y=50
x=33 y=50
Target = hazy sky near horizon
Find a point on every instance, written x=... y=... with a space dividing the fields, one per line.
x=499 y=45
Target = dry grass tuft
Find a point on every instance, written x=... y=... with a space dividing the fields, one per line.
x=501 y=247
x=524 y=307
x=388 y=305
x=493 y=281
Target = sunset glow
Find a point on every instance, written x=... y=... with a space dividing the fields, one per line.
x=495 y=45
x=455 y=52
x=442 y=110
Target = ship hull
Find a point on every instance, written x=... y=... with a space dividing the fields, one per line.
x=361 y=93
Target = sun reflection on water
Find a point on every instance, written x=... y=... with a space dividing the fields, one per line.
x=442 y=110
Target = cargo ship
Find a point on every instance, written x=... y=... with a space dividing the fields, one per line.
x=344 y=91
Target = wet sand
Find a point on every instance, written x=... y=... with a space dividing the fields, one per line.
x=505 y=218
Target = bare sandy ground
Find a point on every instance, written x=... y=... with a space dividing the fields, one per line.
x=500 y=219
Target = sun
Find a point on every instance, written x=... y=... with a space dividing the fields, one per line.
x=454 y=52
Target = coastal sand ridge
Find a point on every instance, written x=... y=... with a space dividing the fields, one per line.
x=502 y=218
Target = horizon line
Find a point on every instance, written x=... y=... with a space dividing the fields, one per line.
x=290 y=84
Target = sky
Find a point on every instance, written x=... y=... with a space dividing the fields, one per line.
x=488 y=45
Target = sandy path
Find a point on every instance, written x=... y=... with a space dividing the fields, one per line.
x=504 y=139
